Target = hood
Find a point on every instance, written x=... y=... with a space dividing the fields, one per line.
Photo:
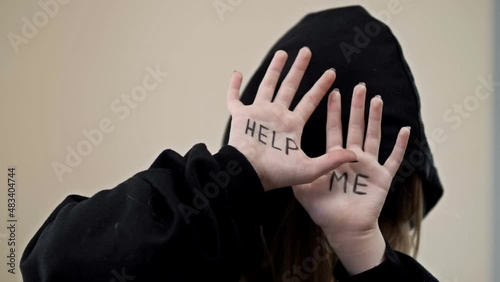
x=360 y=48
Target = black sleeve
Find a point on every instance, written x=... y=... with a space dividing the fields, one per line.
x=397 y=267
x=184 y=219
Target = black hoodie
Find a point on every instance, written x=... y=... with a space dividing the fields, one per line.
x=361 y=49
x=195 y=217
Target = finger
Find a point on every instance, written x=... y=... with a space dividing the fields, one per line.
x=317 y=167
x=292 y=80
x=394 y=161
x=311 y=99
x=233 y=93
x=356 y=129
x=334 y=122
x=373 y=131
x=268 y=85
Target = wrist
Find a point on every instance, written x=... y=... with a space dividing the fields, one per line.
x=359 y=252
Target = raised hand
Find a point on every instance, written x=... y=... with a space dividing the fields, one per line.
x=269 y=134
x=347 y=201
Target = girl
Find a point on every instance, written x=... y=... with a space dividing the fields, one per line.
x=361 y=48
x=297 y=194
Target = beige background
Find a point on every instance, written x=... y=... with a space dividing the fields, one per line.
x=66 y=77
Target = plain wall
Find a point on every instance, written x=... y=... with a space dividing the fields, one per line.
x=67 y=76
x=496 y=126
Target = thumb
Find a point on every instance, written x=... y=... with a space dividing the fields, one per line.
x=328 y=162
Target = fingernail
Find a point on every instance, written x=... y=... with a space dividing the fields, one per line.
x=336 y=89
x=333 y=69
x=409 y=127
x=378 y=96
x=362 y=83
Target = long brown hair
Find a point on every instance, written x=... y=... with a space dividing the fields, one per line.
x=301 y=243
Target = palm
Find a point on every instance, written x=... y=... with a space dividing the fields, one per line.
x=268 y=133
x=350 y=198
x=272 y=134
